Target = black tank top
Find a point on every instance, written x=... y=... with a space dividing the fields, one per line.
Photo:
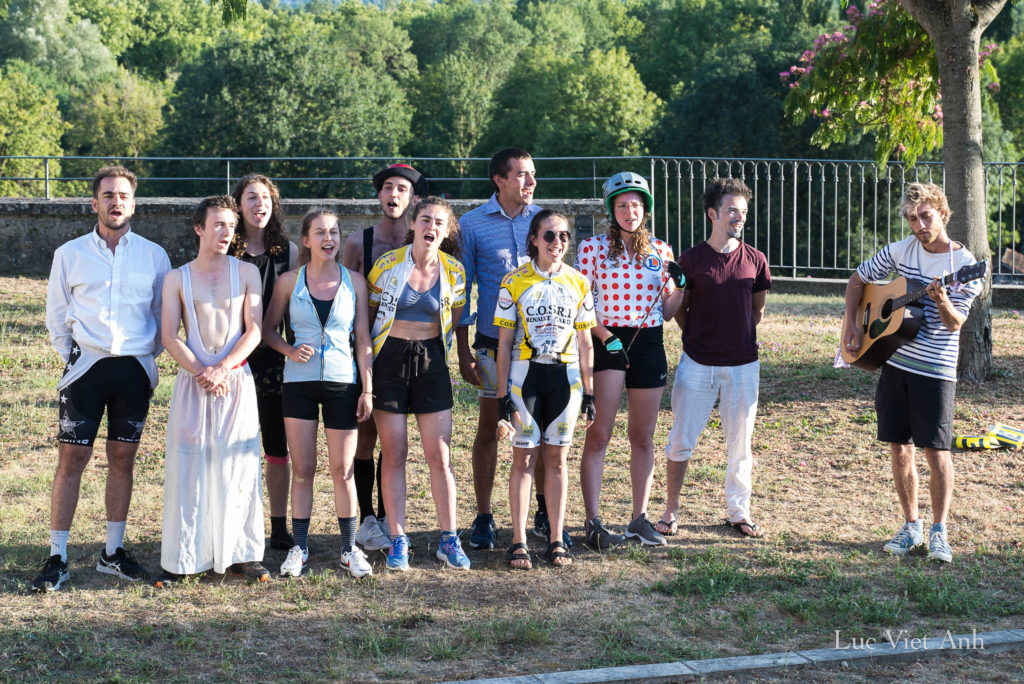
x=367 y=251
x=271 y=267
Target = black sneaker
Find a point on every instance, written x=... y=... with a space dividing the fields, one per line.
x=53 y=574
x=599 y=538
x=542 y=528
x=253 y=571
x=481 y=535
x=122 y=564
x=282 y=541
x=643 y=531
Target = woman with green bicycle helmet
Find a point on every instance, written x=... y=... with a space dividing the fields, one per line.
x=637 y=285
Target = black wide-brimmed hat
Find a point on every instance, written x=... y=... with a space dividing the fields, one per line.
x=419 y=182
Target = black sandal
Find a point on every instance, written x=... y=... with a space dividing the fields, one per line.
x=755 y=530
x=518 y=552
x=556 y=551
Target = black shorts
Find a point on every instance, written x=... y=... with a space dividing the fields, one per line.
x=648 y=366
x=267 y=368
x=914 y=407
x=339 y=401
x=411 y=376
x=120 y=385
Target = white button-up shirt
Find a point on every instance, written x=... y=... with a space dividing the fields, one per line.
x=108 y=302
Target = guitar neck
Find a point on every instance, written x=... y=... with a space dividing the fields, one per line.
x=914 y=295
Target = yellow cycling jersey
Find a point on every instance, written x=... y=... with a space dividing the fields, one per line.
x=545 y=312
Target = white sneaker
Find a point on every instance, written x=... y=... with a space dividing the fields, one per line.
x=380 y=538
x=355 y=562
x=295 y=563
x=367 y=529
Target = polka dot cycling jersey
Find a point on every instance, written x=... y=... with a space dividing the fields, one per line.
x=545 y=312
x=623 y=290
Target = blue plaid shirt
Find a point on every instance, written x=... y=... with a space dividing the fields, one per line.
x=492 y=245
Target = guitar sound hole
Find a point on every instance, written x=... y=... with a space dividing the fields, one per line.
x=886 y=309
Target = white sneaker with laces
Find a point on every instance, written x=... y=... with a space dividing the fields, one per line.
x=367 y=529
x=381 y=539
x=295 y=563
x=355 y=562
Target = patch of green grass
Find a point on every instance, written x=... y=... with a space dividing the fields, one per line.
x=710 y=574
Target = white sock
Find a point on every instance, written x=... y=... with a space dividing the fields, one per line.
x=115 y=536
x=59 y=543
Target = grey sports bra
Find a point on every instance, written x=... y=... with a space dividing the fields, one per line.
x=419 y=306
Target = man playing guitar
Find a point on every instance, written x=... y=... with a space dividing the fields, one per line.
x=914 y=397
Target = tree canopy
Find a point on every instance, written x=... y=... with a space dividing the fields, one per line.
x=457 y=78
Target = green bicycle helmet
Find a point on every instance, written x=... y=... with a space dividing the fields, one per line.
x=626 y=181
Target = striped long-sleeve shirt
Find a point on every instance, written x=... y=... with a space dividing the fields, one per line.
x=934 y=351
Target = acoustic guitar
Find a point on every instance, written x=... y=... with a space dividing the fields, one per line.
x=888 y=317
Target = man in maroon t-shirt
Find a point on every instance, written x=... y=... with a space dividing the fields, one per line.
x=727 y=282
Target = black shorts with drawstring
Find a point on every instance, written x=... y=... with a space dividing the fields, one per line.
x=411 y=376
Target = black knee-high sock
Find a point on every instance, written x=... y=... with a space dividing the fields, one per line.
x=278 y=526
x=363 y=475
x=380 y=491
x=300 y=531
x=347 y=526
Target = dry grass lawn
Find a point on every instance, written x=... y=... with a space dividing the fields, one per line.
x=822 y=489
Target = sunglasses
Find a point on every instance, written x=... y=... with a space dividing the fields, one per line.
x=563 y=235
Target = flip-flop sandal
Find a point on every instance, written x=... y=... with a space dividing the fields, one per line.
x=667 y=528
x=556 y=550
x=755 y=530
x=518 y=552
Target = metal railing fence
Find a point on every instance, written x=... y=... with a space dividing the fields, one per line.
x=811 y=217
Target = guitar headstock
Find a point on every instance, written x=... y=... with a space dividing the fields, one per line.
x=972 y=272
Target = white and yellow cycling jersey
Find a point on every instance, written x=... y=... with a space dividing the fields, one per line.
x=545 y=311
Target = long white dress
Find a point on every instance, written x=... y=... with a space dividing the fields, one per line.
x=213 y=506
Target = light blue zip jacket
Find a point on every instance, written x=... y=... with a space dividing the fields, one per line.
x=332 y=359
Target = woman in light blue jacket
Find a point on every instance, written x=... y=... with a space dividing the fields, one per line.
x=325 y=306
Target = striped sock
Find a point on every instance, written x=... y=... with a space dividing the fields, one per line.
x=300 y=531
x=348 y=533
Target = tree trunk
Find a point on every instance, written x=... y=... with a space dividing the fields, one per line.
x=955 y=27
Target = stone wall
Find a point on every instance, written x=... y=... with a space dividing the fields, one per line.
x=31 y=229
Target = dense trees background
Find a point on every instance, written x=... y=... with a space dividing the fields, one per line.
x=453 y=78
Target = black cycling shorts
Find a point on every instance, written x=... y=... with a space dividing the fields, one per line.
x=648 y=366
x=267 y=368
x=118 y=384
x=339 y=401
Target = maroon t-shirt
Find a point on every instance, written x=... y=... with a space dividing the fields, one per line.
x=720 y=328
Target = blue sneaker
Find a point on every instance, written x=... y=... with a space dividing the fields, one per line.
x=450 y=551
x=398 y=556
x=481 y=535
x=542 y=528
x=909 y=536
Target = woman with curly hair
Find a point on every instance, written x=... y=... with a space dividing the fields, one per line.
x=262 y=241
x=637 y=285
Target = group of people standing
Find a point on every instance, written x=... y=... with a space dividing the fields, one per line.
x=280 y=337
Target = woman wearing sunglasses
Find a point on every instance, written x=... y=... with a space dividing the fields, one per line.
x=637 y=285
x=544 y=364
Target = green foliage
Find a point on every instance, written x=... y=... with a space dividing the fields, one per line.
x=117 y=20
x=581 y=25
x=118 y=118
x=30 y=124
x=1010 y=100
x=64 y=51
x=301 y=89
x=170 y=32
x=878 y=74
x=567 y=105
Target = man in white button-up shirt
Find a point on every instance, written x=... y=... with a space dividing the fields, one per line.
x=103 y=313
